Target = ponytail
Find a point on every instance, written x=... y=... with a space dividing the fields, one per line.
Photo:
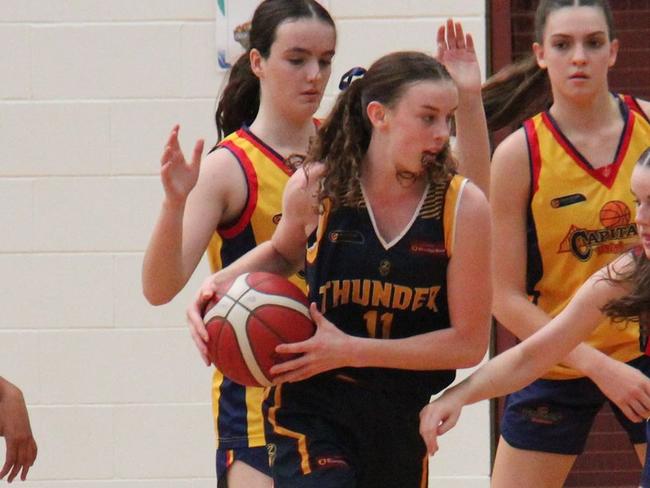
x=240 y=99
x=515 y=93
x=341 y=144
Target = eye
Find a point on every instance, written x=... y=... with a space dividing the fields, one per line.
x=594 y=43
x=325 y=63
x=561 y=45
x=296 y=61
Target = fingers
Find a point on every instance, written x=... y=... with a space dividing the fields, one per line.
x=9 y=459
x=198 y=331
x=470 y=42
x=440 y=42
x=460 y=37
x=198 y=152
x=451 y=36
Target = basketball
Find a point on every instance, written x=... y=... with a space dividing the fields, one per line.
x=248 y=318
x=615 y=213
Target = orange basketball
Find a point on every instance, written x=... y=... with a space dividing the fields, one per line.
x=615 y=213
x=249 y=317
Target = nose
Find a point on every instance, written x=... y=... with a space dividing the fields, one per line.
x=313 y=70
x=643 y=214
x=579 y=54
x=441 y=131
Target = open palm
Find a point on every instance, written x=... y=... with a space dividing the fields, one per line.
x=456 y=52
x=178 y=176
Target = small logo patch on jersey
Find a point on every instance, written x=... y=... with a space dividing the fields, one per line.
x=331 y=462
x=435 y=249
x=348 y=236
x=567 y=200
x=384 y=267
x=276 y=218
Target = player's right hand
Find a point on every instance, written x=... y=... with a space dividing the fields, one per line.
x=195 y=312
x=179 y=177
x=436 y=418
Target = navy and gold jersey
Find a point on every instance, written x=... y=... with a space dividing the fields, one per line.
x=579 y=220
x=371 y=288
x=238 y=409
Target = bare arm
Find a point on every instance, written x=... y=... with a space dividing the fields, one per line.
x=525 y=362
x=462 y=345
x=14 y=426
x=284 y=254
x=195 y=203
x=456 y=52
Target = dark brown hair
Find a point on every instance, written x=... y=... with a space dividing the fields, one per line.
x=522 y=89
x=343 y=139
x=240 y=99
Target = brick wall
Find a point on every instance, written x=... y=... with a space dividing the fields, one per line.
x=90 y=88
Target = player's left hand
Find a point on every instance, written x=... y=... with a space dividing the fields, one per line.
x=456 y=52
x=626 y=386
x=437 y=418
x=327 y=349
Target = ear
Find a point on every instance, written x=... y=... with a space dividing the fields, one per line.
x=255 y=58
x=613 y=52
x=538 y=49
x=377 y=114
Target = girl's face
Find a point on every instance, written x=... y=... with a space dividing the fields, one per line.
x=577 y=51
x=418 y=125
x=641 y=190
x=298 y=67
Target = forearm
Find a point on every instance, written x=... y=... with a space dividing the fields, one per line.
x=163 y=275
x=523 y=319
x=264 y=257
x=472 y=141
x=442 y=349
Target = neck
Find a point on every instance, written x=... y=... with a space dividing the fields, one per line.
x=285 y=135
x=600 y=110
x=380 y=179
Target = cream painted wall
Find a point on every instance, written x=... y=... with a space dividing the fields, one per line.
x=88 y=92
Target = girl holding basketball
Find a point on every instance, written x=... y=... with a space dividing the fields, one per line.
x=232 y=200
x=394 y=324
x=621 y=291
x=561 y=210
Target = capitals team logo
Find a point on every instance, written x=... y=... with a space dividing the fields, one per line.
x=617 y=226
x=276 y=218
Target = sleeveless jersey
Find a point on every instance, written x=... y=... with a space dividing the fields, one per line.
x=370 y=288
x=237 y=409
x=579 y=220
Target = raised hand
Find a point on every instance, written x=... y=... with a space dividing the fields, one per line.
x=456 y=52
x=325 y=350
x=178 y=176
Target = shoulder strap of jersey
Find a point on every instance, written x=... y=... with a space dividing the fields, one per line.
x=633 y=105
x=534 y=153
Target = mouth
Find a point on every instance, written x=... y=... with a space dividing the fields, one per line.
x=579 y=76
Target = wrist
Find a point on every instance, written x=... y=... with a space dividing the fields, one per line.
x=174 y=204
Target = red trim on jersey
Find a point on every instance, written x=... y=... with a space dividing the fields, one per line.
x=268 y=151
x=251 y=181
x=607 y=174
x=534 y=153
x=633 y=104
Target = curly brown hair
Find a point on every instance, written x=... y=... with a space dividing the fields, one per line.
x=635 y=304
x=344 y=137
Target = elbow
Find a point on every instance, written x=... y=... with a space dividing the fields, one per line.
x=155 y=296
x=474 y=356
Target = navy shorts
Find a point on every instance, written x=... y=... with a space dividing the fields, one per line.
x=556 y=415
x=256 y=457
x=328 y=433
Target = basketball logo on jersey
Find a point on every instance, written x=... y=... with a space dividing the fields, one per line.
x=272 y=451
x=276 y=218
x=617 y=226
